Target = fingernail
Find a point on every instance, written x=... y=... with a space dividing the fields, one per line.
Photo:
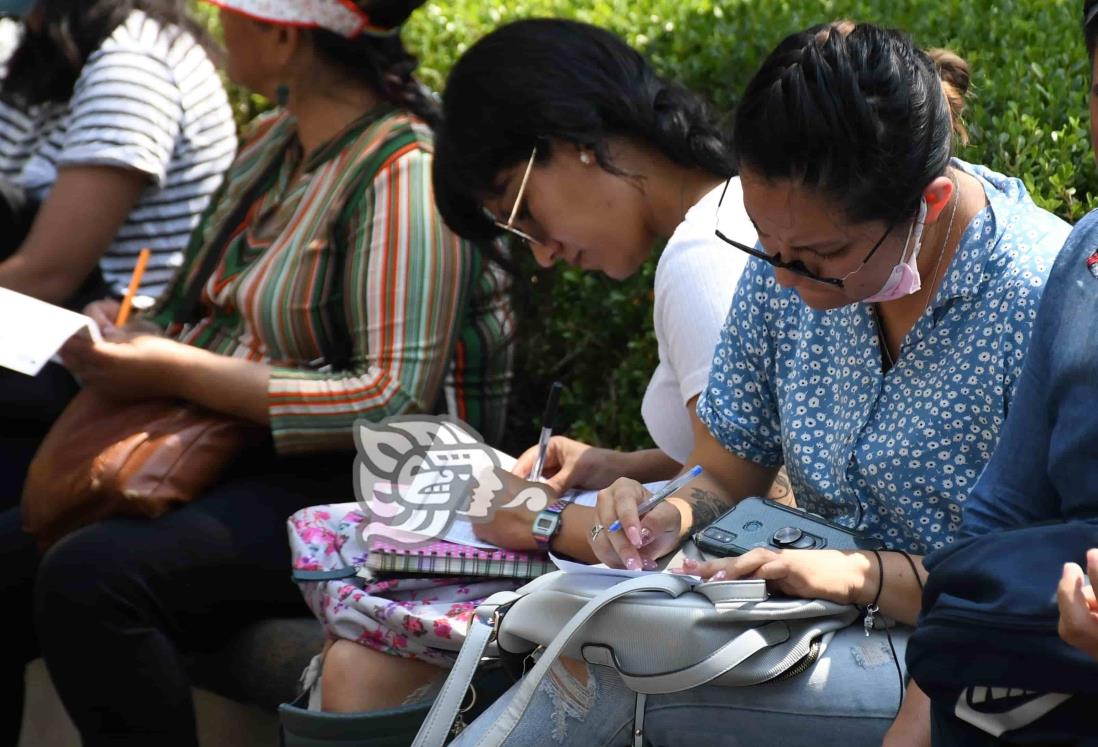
x=634 y=536
x=649 y=564
x=646 y=536
x=718 y=576
x=689 y=563
x=631 y=563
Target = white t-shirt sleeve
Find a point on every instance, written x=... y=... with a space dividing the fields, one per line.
x=692 y=300
x=695 y=282
x=126 y=109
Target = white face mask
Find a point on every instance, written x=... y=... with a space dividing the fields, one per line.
x=904 y=279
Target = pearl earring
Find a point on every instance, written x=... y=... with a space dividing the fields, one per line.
x=585 y=158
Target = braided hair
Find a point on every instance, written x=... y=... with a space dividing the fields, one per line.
x=856 y=112
x=533 y=81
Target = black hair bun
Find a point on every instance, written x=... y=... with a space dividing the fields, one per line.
x=388 y=13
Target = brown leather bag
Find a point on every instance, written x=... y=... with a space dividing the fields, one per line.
x=105 y=458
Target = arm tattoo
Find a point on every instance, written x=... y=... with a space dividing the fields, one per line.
x=707 y=507
x=781 y=490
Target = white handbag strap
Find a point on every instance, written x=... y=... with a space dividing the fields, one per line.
x=666 y=583
x=730 y=655
x=436 y=727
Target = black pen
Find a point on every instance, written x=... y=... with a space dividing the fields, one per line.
x=547 y=419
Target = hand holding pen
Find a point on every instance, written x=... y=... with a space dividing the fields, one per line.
x=635 y=528
x=547 y=419
x=662 y=494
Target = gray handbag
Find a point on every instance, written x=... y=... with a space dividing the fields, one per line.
x=725 y=633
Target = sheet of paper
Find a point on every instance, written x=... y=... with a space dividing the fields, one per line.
x=601 y=569
x=31 y=331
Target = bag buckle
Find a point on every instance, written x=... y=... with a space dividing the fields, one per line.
x=495 y=618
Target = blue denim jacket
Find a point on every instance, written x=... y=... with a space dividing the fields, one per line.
x=1046 y=464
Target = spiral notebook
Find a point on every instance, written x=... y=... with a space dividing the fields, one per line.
x=450 y=559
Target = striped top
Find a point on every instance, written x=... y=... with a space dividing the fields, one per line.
x=346 y=280
x=145 y=100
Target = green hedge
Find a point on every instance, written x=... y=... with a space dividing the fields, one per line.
x=1027 y=118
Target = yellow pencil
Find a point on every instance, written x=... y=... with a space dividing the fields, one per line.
x=135 y=283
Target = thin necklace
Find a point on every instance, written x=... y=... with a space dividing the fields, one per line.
x=881 y=339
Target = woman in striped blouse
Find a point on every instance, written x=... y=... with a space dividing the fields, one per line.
x=338 y=294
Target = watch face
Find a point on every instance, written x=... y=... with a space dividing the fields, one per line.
x=545 y=527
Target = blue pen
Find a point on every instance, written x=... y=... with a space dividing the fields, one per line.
x=663 y=494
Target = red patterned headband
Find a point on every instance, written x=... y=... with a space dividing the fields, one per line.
x=343 y=17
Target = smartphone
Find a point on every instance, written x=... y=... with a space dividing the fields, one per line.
x=760 y=522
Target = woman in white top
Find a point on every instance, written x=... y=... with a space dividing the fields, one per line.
x=594 y=160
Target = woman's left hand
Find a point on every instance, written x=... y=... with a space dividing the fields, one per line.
x=511 y=528
x=126 y=364
x=808 y=574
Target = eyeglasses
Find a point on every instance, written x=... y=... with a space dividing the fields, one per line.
x=797 y=267
x=509 y=226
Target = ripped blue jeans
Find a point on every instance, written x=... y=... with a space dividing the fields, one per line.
x=849 y=698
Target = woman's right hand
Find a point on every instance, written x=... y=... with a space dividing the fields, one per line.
x=1079 y=605
x=641 y=540
x=105 y=311
x=570 y=464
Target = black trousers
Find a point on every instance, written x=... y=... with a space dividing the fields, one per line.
x=114 y=607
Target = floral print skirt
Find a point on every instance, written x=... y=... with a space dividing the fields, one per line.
x=420 y=618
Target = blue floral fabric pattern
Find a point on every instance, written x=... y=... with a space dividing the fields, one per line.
x=891 y=454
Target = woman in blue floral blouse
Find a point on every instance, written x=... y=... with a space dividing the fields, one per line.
x=872 y=348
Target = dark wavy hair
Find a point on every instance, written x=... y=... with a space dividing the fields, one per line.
x=857 y=112
x=535 y=80
x=46 y=64
x=382 y=61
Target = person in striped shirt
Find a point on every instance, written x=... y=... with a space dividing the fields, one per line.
x=321 y=286
x=115 y=131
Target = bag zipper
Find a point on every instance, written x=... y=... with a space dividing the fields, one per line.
x=806 y=661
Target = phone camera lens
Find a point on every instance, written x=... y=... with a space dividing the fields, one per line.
x=718 y=535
